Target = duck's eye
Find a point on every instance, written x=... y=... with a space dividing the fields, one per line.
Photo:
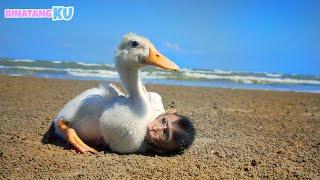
x=134 y=44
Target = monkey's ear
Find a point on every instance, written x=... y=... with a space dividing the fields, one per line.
x=171 y=110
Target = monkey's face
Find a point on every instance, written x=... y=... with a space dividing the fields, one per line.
x=161 y=130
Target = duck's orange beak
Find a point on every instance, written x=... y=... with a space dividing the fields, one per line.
x=157 y=59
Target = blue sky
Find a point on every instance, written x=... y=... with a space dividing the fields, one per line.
x=260 y=36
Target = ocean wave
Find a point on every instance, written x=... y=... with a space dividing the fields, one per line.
x=273 y=74
x=88 y=64
x=23 y=60
x=250 y=79
x=54 y=64
x=196 y=71
x=85 y=72
x=219 y=71
x=33 y=68
x=110 y=74
x=71 y=71
x=184 y=75
x=93 y=73
x=154 y=75
x=82 y=69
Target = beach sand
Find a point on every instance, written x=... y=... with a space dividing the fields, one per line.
x=241 y=134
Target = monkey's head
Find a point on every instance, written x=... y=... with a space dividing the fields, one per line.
x=171 y=133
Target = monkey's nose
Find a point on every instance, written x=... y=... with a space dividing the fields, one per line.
x=159 y=128
x=150 y=127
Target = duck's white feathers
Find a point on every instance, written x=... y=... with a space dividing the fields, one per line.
x=123 y=129
x=83 y=111
x=93 y=115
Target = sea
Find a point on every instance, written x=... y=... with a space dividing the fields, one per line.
x=151 y=75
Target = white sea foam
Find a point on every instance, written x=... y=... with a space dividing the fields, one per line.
x=24 y=60
x=153 y=75
x=194 y=71
x=219 y=71
x=273 y=75
x=16 y=75
x=251 y=79
x=34 y=68
x=93 y=73
x=215 y=71
x=88 y=64
x=186 y=74
x=109 y=74
x=56 y=62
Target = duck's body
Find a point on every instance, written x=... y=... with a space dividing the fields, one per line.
x=105 y=114
x=101 y=115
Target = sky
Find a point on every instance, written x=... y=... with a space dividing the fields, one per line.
x=259 y=36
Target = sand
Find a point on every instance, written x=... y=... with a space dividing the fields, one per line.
x=241 y=134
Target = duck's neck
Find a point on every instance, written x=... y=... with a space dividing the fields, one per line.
x=133 y=85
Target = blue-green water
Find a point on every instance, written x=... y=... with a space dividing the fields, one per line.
x=186 y=77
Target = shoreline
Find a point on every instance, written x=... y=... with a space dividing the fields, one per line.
x=173 y=83
x=78 y=70
x=241 y=134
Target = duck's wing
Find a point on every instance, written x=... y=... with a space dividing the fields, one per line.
x=156 y=102
x=111 y=90
x=89 y=101
x=84 y=110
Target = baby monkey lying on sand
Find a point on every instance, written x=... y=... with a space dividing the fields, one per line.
x=170 y=133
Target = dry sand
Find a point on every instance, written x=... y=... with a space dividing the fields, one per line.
x=241 y=134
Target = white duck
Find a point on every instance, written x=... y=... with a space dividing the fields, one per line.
x=105 y=113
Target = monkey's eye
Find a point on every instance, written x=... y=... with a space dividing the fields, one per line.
x=164 y=121
x=134 y=44
x=166 y=134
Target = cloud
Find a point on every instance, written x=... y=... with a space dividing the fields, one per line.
x=173 y=46
x=177 y=48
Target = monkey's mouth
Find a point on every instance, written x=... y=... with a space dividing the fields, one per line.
x=152 y=137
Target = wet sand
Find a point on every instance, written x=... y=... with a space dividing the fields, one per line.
x=241 y=134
